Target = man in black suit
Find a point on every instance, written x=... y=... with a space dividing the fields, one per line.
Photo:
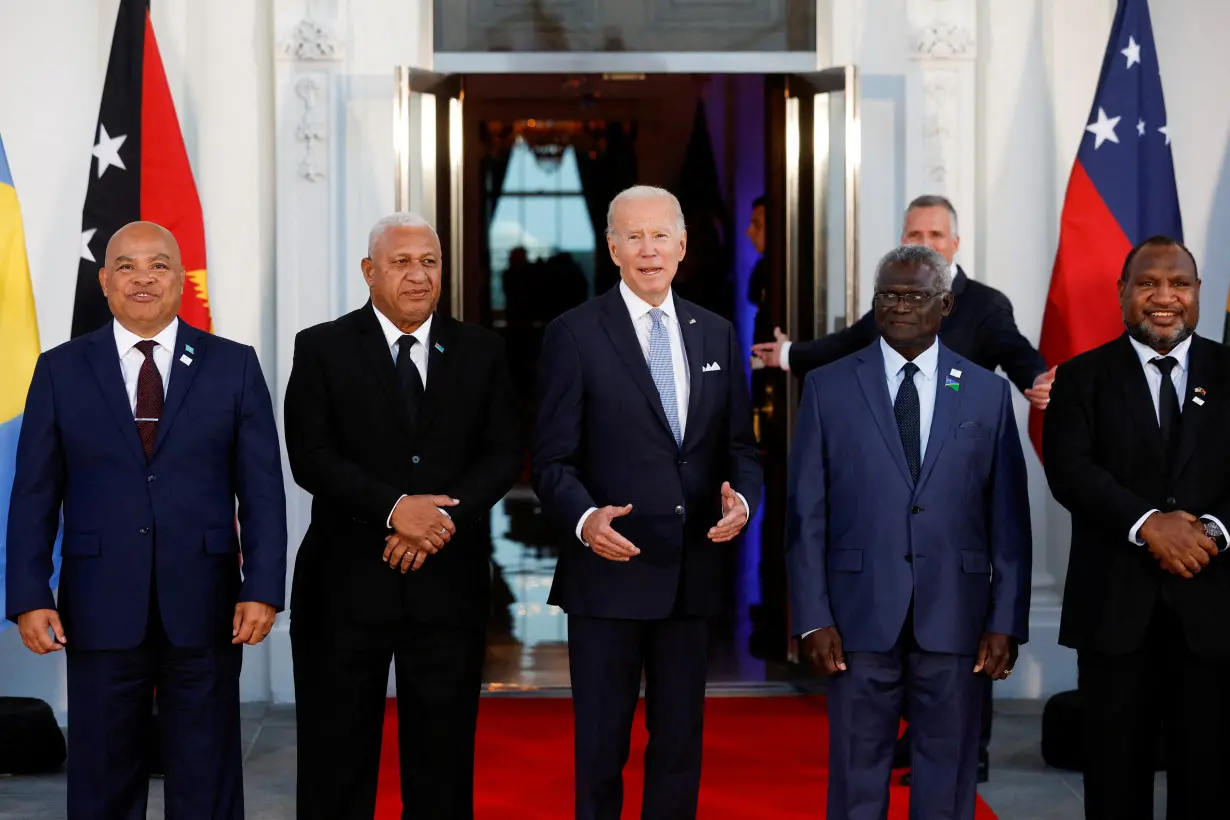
x=1136 y=444
x=401 y=423
x=980 y=328
x=644 y=453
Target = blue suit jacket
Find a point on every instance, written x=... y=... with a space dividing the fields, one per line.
x=126 y=519
x=863 y=539
x=602 y=438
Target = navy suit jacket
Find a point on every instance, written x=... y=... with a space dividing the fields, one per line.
x=863 y=539
x=127 y=519
x=602 y=439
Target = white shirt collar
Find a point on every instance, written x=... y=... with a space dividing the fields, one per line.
x=392 y=334
x=126 y=340
x=1147 y=354
x=928 y=361
x=638 y=307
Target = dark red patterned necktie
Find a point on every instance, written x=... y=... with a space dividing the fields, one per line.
x=149 y=397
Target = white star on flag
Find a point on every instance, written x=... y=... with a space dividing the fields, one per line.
x=1132 y=52
x=1165 y=129
x=86 y=236
x=1103 y=129
x=108 y=151
x=1140 y=128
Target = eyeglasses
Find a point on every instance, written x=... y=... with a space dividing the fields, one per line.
x=889 y=299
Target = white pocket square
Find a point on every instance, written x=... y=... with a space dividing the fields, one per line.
x=710 y=368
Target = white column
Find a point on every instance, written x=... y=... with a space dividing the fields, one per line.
x=307 y=76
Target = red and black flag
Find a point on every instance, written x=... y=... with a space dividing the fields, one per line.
x=139 y=171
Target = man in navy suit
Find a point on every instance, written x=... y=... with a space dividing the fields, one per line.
x=908 y=546
x=644 y=452
x=144 y=434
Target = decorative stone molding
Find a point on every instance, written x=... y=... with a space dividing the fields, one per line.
x=942 y=29
x=310 y=131
x=310 y=41
x=940 y=122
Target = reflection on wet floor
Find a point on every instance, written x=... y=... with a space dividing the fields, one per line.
x=527 y=644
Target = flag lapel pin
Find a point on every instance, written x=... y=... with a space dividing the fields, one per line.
x=189 y=349
x=186 y=359
x=951 y=379
x=439 y=347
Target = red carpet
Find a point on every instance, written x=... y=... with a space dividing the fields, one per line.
x=764 y=757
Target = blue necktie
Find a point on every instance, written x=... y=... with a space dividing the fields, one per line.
x=909 y=419
x=662 y=370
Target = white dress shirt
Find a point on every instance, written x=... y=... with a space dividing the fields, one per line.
x=642 y=323
x=924 y=380
x=131 y=359
x=418 y=355
x=1178 y=375
x=784 y=353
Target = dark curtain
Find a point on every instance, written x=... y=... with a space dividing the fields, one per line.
x=605 y=171
x=705 y=274
x=493 y=167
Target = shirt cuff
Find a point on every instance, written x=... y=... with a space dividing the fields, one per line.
x=1220 y=526
x=747 y=511
x=388 y=522
x=1134 y=532
x=784 y=356
x=808 y=632
x=581 y=524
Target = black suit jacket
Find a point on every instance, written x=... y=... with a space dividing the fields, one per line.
x=351 y=446
x=1104 y=461
x=980 y=328
x=602 y=439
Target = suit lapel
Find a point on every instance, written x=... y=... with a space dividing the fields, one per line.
x=1137 y=398
x=375 y=348
x=184 y=367
x=441 y=353
x=1191 y=427
x=617 y=323
x=694 y=347
x=104 y=362
x=947 y=401
x=875 y=390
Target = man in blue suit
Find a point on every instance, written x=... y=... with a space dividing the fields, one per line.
x=144 y=434
x=908 y=546
x=644 y=453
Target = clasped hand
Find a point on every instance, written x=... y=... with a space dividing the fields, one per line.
x=1178 y=541
x=420 y=528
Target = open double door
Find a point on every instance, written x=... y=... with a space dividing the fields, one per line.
x=812 y=157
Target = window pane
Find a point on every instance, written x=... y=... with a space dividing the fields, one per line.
x=526 y=174
x=544 y=226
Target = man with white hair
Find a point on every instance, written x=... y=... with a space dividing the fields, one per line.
x=401 y=423
x=644 y=453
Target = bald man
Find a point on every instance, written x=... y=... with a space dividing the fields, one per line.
x=145 y=434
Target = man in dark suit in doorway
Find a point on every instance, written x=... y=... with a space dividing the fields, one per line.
x=980 y=327
x=1136 y=444
x=644 y=453
x=402 y=425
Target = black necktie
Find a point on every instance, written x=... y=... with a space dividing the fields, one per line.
x=408 y=375
x=909 y=419
x=1167 y=401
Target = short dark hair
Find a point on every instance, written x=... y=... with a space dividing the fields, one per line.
x=1157 y=241
x=758 y=202
x=934 y=201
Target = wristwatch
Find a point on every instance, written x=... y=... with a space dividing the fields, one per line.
x=1214 y=532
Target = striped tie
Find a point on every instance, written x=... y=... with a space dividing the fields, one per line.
x=149 y=397
x=663 y=372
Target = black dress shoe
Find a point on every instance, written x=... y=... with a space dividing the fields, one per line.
x=984 y=771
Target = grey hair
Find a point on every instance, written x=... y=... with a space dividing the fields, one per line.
x=919 y=255
x=934 y=201
x=644 y=192
x=400 y=219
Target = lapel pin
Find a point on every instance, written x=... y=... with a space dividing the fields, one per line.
x=1201 y=391
x=1197 y=400
x=185 y=359
x=956 y=374
x=949 y=381
x=439 y=347
x=691 y=321
x=189 y=348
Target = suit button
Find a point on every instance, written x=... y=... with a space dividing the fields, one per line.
x=414 y=460
x=1171 y=501
x=679 y=510
x=145 y=530
x=916 y=509
x=909 y=559
x=151 y=479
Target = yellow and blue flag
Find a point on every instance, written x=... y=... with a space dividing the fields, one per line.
x=19 y=347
